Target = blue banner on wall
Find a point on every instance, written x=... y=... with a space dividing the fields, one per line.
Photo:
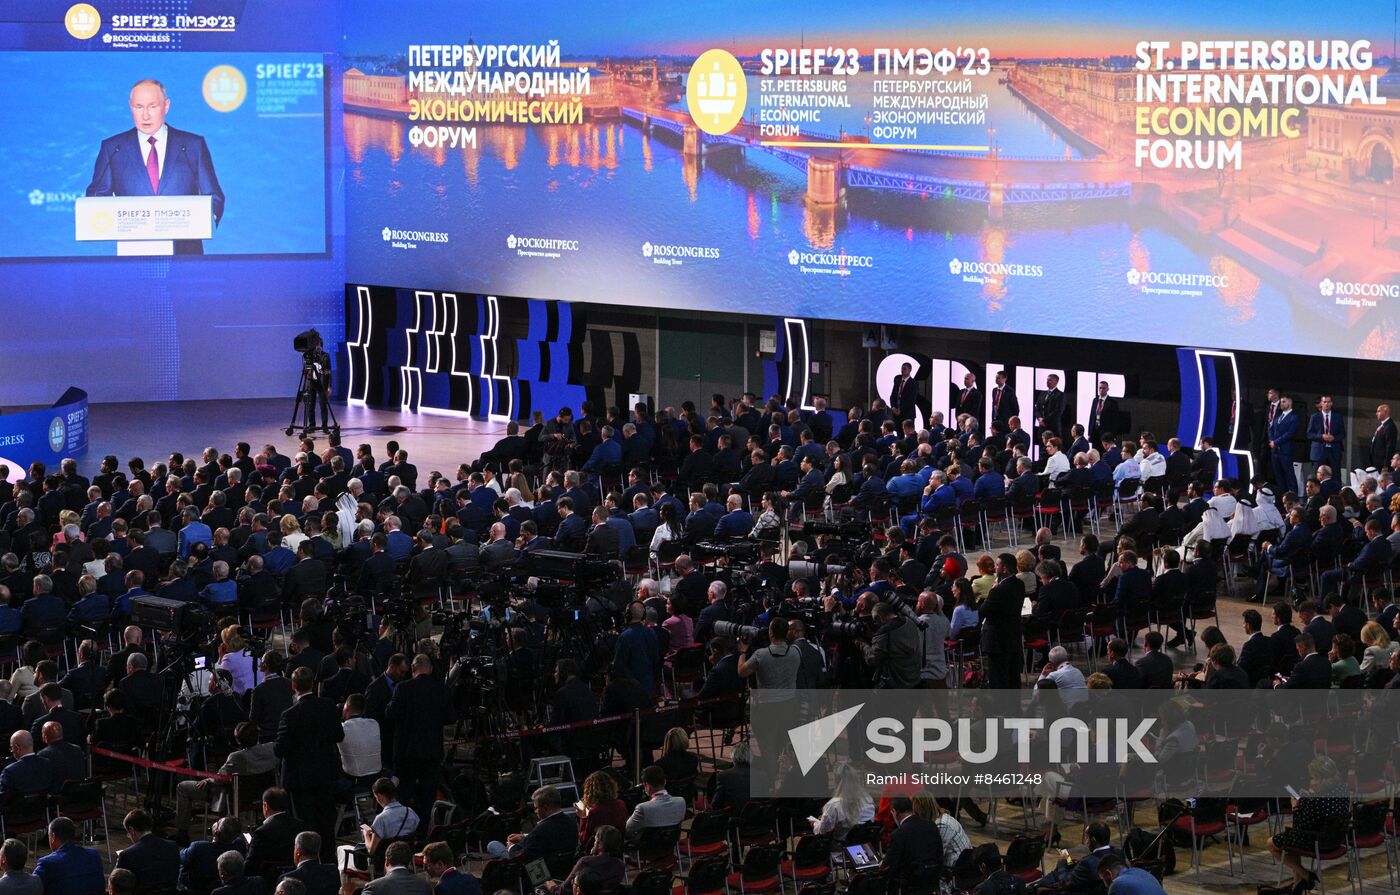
x=46 y=435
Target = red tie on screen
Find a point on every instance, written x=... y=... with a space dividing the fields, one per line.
x=153 y=166
x=996 y=405
x=1327 y=424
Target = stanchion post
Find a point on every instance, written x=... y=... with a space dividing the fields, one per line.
x=637 y=747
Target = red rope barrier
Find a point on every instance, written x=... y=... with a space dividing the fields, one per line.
x=164 y=766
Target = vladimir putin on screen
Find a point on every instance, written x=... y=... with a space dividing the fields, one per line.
x=155 y=159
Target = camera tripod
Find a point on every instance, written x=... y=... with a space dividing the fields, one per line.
x=309 y=391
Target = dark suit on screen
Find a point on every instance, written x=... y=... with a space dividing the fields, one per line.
x=188 y=170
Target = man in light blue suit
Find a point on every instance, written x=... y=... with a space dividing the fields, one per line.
x=155 y=159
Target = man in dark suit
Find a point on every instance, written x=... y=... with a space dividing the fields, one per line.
x=572 y=533
x=1327 y=432
x=1050 y=408
x=904 y=394
x=1283 y=642
x=1373 y=559
x=554 y=830
x=51 y=697
x=306 y=579
x=428 y=568
x=1282 y=432
x=419 y=709
x=199 y=869
x=305 y=742
x=1382 y=446
x=1205 y=466
x=602 y=538
x=1155 y=666
x=700 y=523
x=377 y=696
x=915 y=847
x=1134 y=585
x=1311 y=672
x=1082 y=876
x=1346 y=618
x=1001 y=627
x=143 y=690
x=723 y=677
x=28 y=773
x=379 y=568
x=233 y=874
x=65 y=757
x=1178 y=463
x=1124 y=674
x=1056 y=595
x=272 y=842
x=511 y=447
x=1103 y=414
x=155 y=861
x=271 y=697
x=317 y=878
x=1004 y=402
x=970 y=398
x=1316 y=625
x=1256 y=656
x=574 y=700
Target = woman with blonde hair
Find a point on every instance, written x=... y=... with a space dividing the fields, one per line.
x=292 y=535
x=680 y=764
x=954 y=837
x=850 y=805
x=1379 y=647
x=1025 y=570
x=601 y=808
x=235 y=658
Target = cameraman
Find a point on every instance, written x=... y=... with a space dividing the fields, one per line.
x=896 y=650
x=318 y=379
x=774 y=667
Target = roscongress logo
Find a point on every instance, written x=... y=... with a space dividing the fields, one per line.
x=676 y=255
x=540 y=246
x=1356 y=294
x=1166 y=282
x=409 y=239
x=840 y=264
x=991 y=271
x=716 y=91
x=53 y=200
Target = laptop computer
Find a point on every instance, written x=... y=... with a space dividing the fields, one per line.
x=537 y=872
x=862 y=857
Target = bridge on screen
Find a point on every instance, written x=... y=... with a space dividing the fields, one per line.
x=836 y=166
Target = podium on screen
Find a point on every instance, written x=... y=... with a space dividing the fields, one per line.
x=143 y=225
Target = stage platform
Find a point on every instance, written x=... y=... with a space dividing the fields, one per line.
x=152 y=430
